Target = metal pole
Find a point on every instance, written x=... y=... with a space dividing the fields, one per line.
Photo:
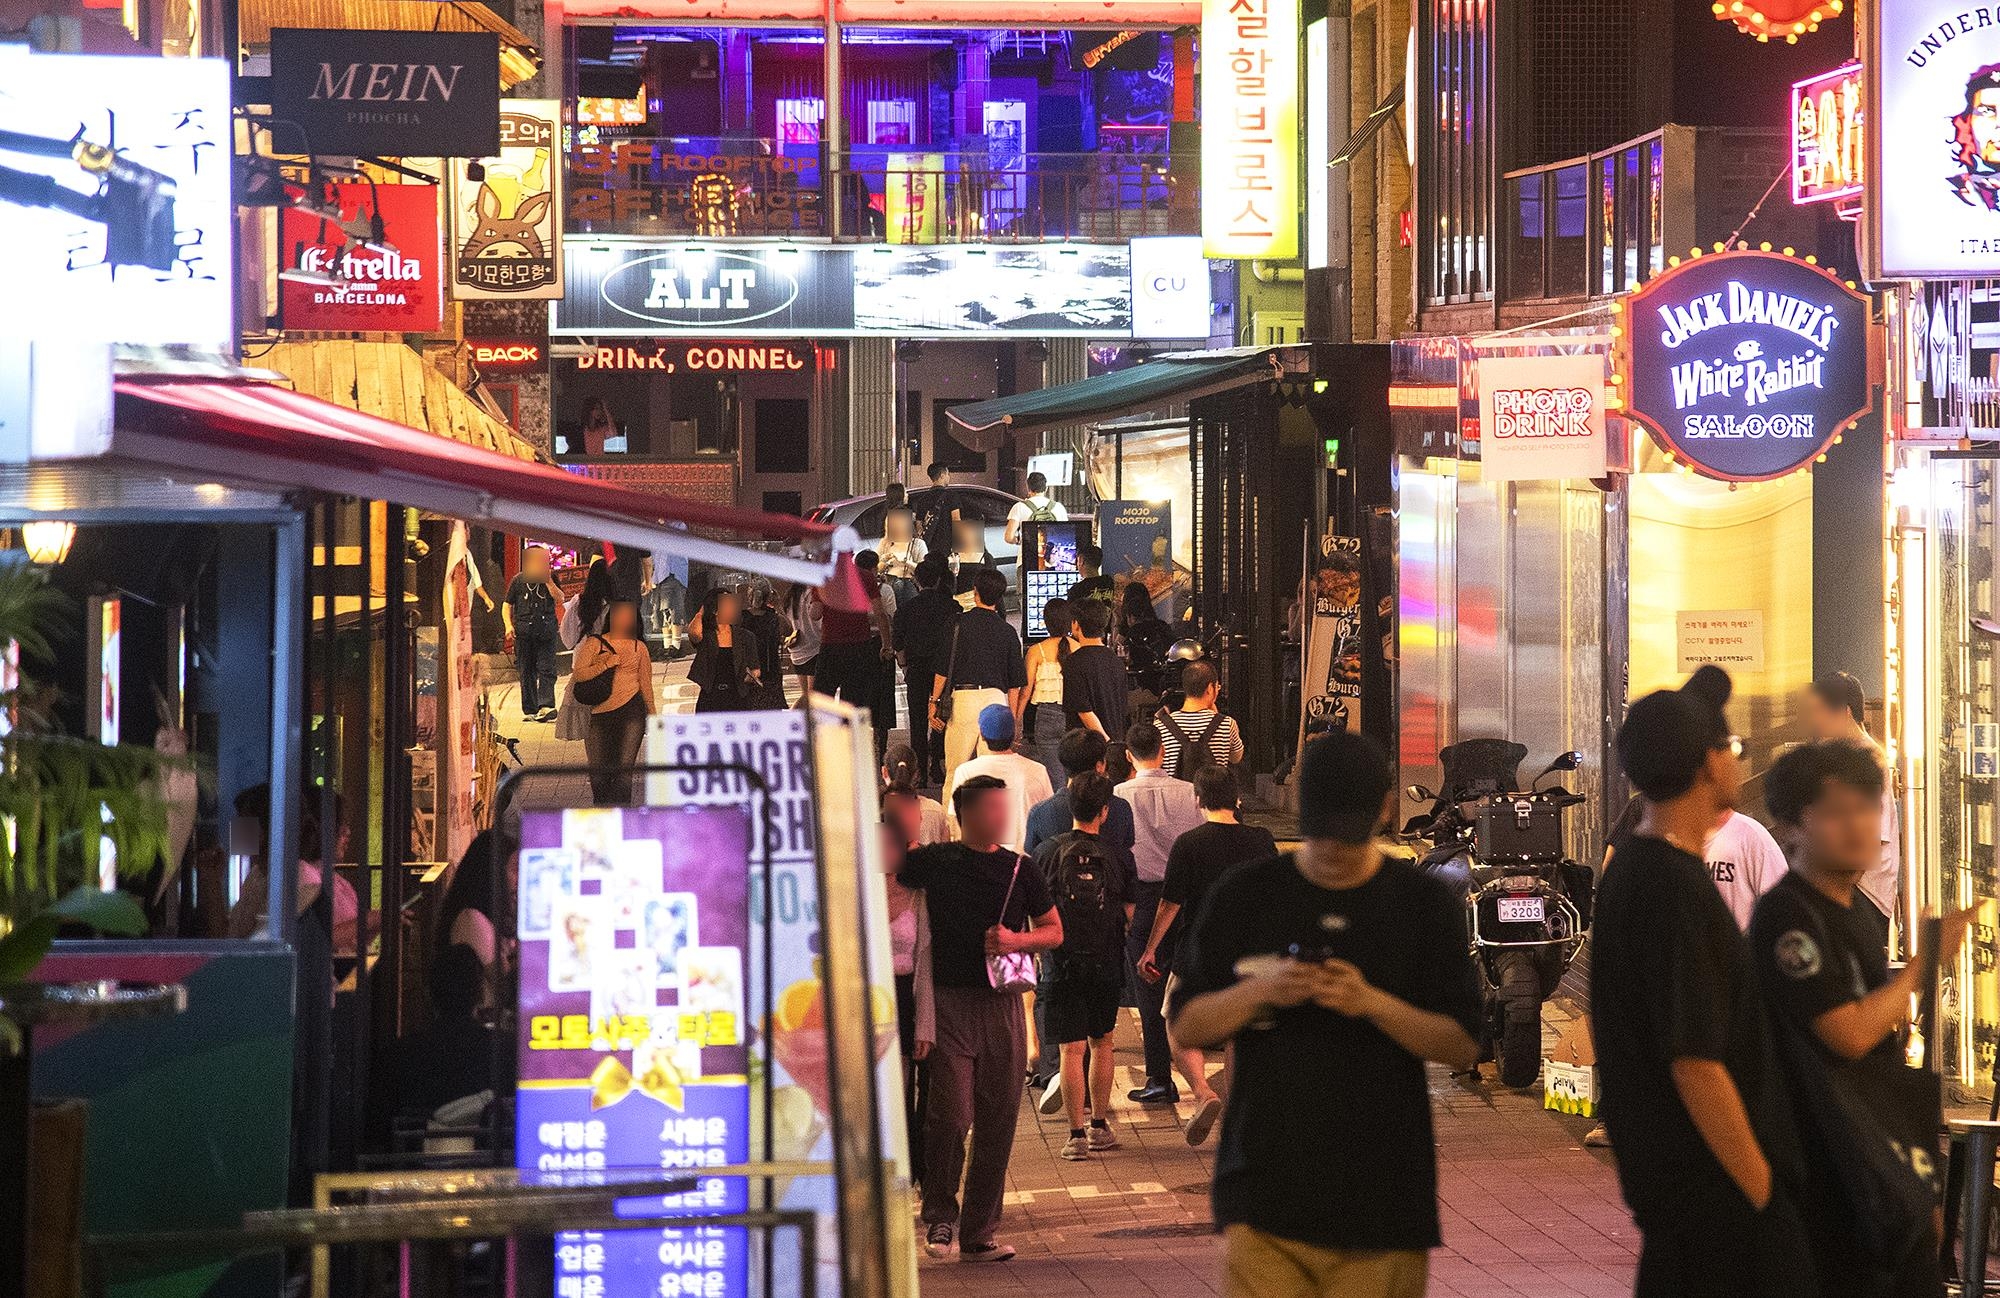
x=833 y=132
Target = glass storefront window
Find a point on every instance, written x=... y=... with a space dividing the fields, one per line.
x=1567 y=256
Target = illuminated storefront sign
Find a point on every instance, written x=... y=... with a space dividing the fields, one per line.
x=150 y=264
x=1541 y=417
x=1250 y=128
x=506 y=238
x=1170 y=288
x=1826 y=135
x=387 y=92
x=388 y=287
x=1933 y=140
x=1745 y=365
x=709 y=194
x=638 y=286
x=675 y=357
x=506 y=355
x=634 y=1046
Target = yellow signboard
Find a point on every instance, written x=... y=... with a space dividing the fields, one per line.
x=1250 y=128
x=911 y=198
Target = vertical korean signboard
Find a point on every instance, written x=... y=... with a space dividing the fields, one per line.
x=1826 y=136
x=635 y=1030
x=1250 y=128
x=506 y=242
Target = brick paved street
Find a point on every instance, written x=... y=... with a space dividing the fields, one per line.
x=1528 y=1211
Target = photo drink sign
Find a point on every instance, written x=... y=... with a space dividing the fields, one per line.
x=1542 y=417
x=1745 y=365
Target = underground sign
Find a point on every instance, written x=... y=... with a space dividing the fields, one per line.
x=1745 y=365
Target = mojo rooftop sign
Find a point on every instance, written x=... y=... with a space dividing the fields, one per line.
x=1745 y=365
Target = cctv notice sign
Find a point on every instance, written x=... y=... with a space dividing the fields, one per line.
x=1542 y=417
x=1933 y=146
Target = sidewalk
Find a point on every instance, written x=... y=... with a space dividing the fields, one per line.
x=1527 y=1211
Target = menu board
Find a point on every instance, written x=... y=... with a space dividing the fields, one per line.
x=635 y=1030
x=774 y=745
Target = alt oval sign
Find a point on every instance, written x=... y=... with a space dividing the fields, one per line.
x=1746 y=365
x=707 y=289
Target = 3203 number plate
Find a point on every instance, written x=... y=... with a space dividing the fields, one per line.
x=1522 y=910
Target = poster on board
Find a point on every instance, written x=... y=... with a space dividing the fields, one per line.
x=635 y=1029
x=1332 y=693
x=1137 y=537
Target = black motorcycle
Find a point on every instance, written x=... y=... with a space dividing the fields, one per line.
x=1500 y=850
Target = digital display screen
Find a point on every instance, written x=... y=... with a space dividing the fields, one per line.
x=1041 y=587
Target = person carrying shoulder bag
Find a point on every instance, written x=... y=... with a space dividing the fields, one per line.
x=613 y=677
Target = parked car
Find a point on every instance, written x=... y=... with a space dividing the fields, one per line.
x=864 y=514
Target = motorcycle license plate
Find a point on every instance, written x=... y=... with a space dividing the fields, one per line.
x=1522 y=910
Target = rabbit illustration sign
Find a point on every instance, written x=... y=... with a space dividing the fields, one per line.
x=505 y=237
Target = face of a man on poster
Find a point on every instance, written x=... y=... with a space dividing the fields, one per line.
x=1984 y=115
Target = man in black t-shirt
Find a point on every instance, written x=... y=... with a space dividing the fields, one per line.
x=1707 y=1153
x=530 y=614
x=1821 y=962
x=1196 y=861
x=984 y=667
x=923 y=638
x=1093 y=584
x=1084 y=978
x=1096 y=686
x=1335 y=973
x=982 y=900
x=937 y=509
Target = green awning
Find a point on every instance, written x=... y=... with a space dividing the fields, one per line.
x=1150 y=386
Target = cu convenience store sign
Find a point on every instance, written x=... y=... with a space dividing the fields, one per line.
x=1745 y=365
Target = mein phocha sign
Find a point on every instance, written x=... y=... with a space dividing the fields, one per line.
x=360 y=93
x=1746 y=365
x=1541 y=417
x=635 y=1031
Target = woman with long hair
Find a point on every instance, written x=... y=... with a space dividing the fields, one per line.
x=727 y=667
x=901 y=551
x=618 y=724
x=762 y=619
x=598 y=425
x=1045 y=715
x=1145 y=637
x=467 y=915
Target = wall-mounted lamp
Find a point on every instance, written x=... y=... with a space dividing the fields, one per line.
x=47 y=540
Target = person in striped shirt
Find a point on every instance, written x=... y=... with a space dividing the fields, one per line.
x=1198 y=721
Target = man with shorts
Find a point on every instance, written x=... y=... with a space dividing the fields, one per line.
x=1084 y=976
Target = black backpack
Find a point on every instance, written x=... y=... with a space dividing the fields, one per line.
x=1194 y=752
x=1092 y=921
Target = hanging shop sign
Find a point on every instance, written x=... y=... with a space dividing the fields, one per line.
x=119 y=229
x=1542 y=417
x=388 y=92
x=1170 y=288
x=1933 y=140
x=1827 y=124
x=678 y=356
x=1745 y=365
x=634 y=1046
x=1783 y=20
x=913 y=189
x=505 y=239
x=507 y=355
x=1250 y=128
x=646 y=287
x=390 y=286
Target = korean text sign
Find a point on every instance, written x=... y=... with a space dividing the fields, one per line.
x=1933 y=140
x=391 y=287
x=1250 y=128
x=505 y=240
x=1746 y=365
x=1826 y=135
x=137 y=251
x=1541 y=417
x=635 y=1030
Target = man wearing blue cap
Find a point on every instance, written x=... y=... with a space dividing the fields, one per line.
x=1027 y=780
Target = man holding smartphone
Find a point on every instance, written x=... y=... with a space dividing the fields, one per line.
x=1335 y=973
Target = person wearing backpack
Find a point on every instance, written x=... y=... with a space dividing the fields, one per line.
x=1083 y=979
x=1039 y=507
x=1163 y=808
x=1198 y=734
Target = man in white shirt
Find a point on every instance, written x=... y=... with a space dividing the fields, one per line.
x=1746 y=862
x=1163 y=808
x=1039 y=507
x=1027 y=780
x=1834 y=709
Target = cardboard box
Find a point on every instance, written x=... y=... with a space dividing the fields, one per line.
x=1569 y=1088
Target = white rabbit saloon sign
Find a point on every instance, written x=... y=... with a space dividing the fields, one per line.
x=506 y=240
